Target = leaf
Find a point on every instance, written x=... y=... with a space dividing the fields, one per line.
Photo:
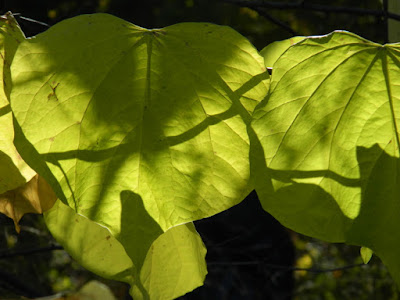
x=156 y=112
x=273 y=51
x=174 y=265
x=36 y=196
x=13 y=170
x=93 y=290
x=138 y=130
x=325 y=147
x=90 y=244
x=21 y=190
x=366 y=254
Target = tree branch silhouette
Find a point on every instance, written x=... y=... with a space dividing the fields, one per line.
x=276 y=21
x=286 y=268
x=8 y=254
x=256 y=4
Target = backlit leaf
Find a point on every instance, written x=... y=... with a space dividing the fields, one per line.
x=115 y=107
x=329 y=136
x=13 y=170
x=174 y=265
x=21 y=191
x=138 y=130
x=273 y=51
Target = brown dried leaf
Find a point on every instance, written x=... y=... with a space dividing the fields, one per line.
x=36 y=196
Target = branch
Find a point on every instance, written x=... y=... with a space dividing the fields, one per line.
x=386 y=20
x=313 y=7
x=30 y=20
x=8 y=254
x=314 y=270
x=277 y=22
x=287 y=268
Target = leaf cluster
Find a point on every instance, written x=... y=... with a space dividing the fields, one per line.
x=124 y=136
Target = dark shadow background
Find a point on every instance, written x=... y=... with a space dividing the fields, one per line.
x=261 y=28
x=250 y=255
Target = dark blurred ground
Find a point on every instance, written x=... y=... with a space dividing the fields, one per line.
x=243 y=244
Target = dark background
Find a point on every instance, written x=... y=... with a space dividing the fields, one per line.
x=250 y=255
x=259 y=30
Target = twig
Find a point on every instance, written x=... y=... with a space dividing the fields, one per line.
x=288 y=268
x=277 y=22
x=386 y=20
x=8 y=254
x=30 y=20
x=314 y=7
x=314 y=270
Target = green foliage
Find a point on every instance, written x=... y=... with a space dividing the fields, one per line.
x=273 y=51
x=330 y=137
x=97 y=250
x=140 y=132
x=147 y=115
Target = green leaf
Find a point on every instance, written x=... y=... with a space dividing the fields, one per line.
x=13 y=170
x=366 y=254
x=174 y=265
x=325 y=147
x=111 y=106
x=273 y=51
x=90 y=244
x=138 y=130
x=21 y=189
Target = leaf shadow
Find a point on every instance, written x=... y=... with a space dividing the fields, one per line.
x=298 y=201
x=116 y=126
x=110 y=138
x=9 y=173
x=138 y=232
x=309 y=209
x=377 y=224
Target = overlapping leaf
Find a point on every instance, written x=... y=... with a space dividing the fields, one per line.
x=138 y=130
x=21 y=191
x=329 y=136
x=174 y=265
x=273 y=51
x=13 y=171
x=115 y=107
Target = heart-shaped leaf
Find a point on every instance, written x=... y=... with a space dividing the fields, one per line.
x=325 y=154
x=138 y=130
